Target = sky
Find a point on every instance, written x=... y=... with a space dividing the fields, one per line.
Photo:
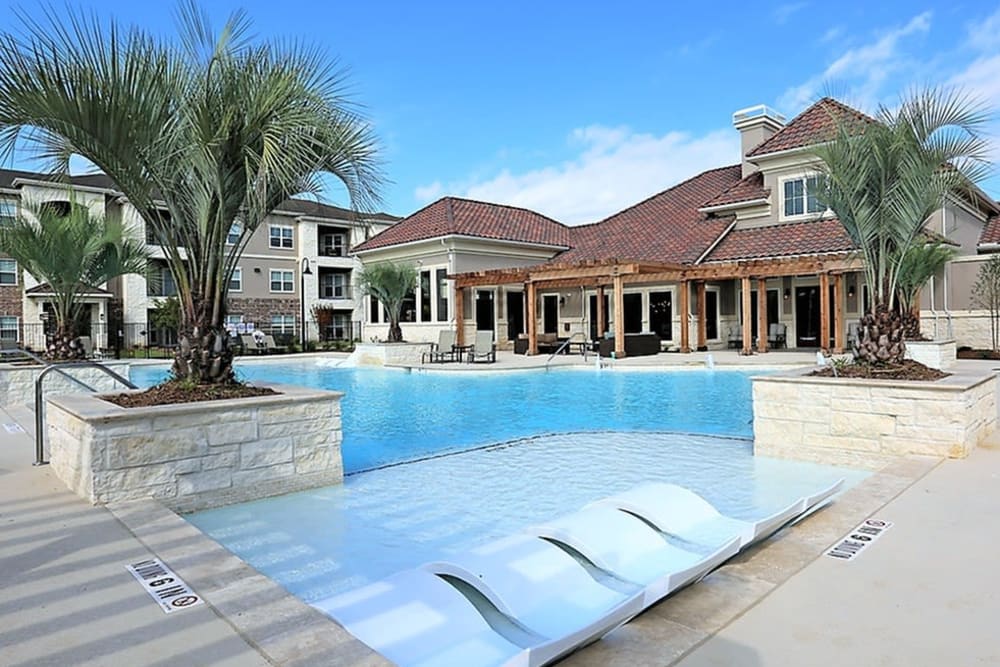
x=577 y=110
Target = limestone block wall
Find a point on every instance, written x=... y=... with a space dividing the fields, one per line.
x=196 y=455
x=865 y=423
x=389 y=354
x=940 y=354
x=969 y=328
x=17 y=383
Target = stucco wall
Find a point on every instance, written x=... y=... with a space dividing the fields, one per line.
x=196 y=455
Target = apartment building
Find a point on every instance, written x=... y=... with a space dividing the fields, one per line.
x=298 y=262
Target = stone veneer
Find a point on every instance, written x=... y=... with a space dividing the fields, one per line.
x=193 y=456
x=389 y=354
x=17 y=382
x=940 y=354
x=866 y=423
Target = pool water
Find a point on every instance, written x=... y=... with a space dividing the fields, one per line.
x=327 y=541
x=391 y=415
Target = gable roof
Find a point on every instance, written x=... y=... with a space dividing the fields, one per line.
x=454 y=216
x=815 y=125
x=815 y=237
x=750 y=188
x=317 y=209
x=991 y=231
x=667 y=227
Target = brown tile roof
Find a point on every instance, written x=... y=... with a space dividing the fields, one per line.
x=801 y=238
x=667 y=227
x=991 y=231
x=814 y=125
x=467 y=217
x=321 y=210
x=749 y=189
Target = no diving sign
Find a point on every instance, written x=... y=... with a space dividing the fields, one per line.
x=859 y=539
x=166 y=588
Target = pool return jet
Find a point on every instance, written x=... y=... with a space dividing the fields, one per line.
x=531 y=599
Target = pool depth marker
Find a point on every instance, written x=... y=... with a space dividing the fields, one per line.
x=859 y=539
x=166 y=588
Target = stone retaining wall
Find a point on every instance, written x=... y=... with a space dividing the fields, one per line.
x=940 y=354
x=17 y=382
x=388 y=354
x=866 y=423
x=196 y=455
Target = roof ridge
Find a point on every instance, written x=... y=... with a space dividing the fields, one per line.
x=510 y=206
x=824 y=103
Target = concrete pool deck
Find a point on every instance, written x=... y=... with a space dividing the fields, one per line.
x=925 y=593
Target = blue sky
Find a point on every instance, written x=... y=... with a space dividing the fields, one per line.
x=580 y=109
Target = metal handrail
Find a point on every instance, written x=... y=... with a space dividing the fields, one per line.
x=40 y=405
x=565 y=344
x=34 y=357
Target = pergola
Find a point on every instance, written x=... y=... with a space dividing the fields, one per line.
x=616 y=274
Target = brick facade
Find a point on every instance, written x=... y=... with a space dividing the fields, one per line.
x=260 y=311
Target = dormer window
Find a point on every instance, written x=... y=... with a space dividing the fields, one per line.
x=802 y=196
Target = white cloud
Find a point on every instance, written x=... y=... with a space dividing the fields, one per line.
x=784 y=12
x=832 y=34
x=614 y=167
x=985 y=34
x=864 y=68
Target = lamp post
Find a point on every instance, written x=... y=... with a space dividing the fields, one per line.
x=306 y=271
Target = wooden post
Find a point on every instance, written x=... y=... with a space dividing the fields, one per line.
x=700 y=294
x=746 y=320
x=838 y=314
x=685 y=315
x=602 y=315
x=619 y=318
x=532 y=319
x=762 y=315
x=824 y=312
x=459 y=316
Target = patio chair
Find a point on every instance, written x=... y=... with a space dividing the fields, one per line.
x=87 y=344
x=271 y=347
x=736 y=337
x=484 y=349
x=777 y=335
x=443 y=350
x=250 y=345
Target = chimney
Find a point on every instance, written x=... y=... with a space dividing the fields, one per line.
x=756 y=125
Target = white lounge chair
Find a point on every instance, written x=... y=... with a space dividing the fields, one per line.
x=417 y=618
x=484 y=349
x=630 y=549
x=443 y=350
x=544 y=589
x=678 y=511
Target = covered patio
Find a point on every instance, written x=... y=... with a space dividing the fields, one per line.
x=614 y=277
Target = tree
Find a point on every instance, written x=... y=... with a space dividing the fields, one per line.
x=166 y=314
x=986 y=295
x=884 y=179
x=73 y=251
x=917 y=266
x=202 y=137
x=390 y=284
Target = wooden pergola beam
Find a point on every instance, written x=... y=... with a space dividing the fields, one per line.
x=685 y=315
x=838 y=313
x=619 y=318
x=459 y=316
x=702 y=316
x=746 y=322
x=824 y=311
x=532 y=306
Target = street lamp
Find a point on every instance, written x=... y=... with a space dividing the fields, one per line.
x=306 y=271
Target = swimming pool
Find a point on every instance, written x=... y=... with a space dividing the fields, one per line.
x=392 y=415
x=327 y=541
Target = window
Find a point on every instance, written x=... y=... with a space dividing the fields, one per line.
x=235 y=230
x=373 y=310
x=282 y=324
x=802 y=196
x=8 y=212
x=280 y=236
x=442 y=296
x=167 y=285
x=340 y=327
x=425 y=296
x=236 y=282
x=8 y=272
x=333 y=245
x=282 y=281
x=8 y=327
x=232 y=322
x=333 y=286
x=409 y=309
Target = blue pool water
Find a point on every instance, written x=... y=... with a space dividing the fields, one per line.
x=391 y=416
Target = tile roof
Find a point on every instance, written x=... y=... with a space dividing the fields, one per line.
x=814 y=125
x=991 y=231
x=815 y=237
x=667 y=227
x=320 y=210
x=749 y=189
x=466 y=217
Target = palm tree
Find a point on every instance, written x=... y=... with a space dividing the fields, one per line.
x=202 y=137
x=73 y=251
x=390 y=284
x=885 y=178
x=918 y=265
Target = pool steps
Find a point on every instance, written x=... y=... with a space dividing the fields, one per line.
x=529 y=599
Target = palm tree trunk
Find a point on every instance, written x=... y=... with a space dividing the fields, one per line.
x=911 y=324
x=62 y=344
x=881 y=338
x=203 y=354
x=395 y=332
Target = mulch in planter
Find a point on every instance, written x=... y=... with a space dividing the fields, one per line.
x=908 y=370
x=180 y=392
